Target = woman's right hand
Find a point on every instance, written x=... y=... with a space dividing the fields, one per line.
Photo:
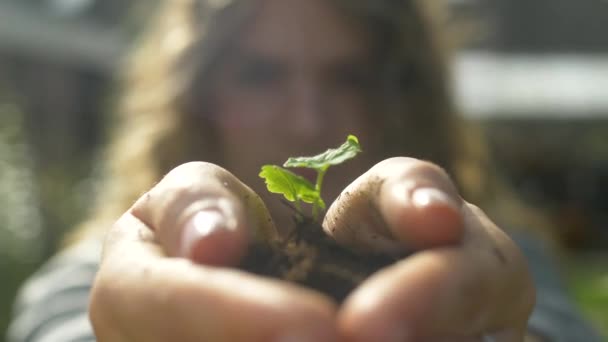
x=165 y=273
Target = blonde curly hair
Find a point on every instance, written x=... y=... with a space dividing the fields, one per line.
x=166 y=82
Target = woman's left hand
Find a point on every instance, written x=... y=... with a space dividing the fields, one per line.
x=465 y=281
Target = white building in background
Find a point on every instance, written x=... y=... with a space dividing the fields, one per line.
x=525 y=85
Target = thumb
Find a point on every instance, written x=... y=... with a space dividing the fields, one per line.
x=399 y=205
x=202 y=212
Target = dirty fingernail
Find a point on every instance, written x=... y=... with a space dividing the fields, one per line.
x=202 y=224
x=428 y=197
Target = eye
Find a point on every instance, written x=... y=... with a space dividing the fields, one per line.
x=258 y=73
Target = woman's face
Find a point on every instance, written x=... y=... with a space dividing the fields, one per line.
x=296 y=82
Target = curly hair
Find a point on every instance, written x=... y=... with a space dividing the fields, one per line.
x=166 y=85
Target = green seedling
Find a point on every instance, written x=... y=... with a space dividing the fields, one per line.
x=298 y=189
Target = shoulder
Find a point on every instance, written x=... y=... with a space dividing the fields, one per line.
x=54 y=300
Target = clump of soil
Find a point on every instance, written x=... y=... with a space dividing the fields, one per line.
x=310 y=257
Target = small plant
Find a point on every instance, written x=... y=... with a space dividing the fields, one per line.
x=298 y=189
x=306 y=255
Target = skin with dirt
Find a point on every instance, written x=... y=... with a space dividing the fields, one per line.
x=309 y=257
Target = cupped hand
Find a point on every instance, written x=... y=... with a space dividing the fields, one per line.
x=165 y=273
x=465 y=281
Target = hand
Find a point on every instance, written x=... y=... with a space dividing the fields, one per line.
x=467 y=281
x=163 y=275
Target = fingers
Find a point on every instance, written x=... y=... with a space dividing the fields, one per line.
x=140 y=295
x=481 y=287
x=399 y=204
x=467 y=278
x=202 y=212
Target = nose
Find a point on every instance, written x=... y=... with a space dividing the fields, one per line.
x=307 y=110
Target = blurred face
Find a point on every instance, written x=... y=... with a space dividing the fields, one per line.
x=295 y=83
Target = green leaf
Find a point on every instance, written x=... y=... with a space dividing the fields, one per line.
x=293 y=187
x=322 y=161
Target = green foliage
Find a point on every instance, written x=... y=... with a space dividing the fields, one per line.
x=293 y=187
x=296 y=188
x=22 y=239
x=21 y=225
x=323 y=161
x=588 y=281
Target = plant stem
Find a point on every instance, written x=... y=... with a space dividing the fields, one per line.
x=320 y=176
x=298 y=210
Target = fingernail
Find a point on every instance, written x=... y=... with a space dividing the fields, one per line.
x=428 y=197
x=202 y=224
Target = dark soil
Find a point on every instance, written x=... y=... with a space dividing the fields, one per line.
x=309 y=257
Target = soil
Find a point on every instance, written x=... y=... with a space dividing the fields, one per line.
x=309 y=257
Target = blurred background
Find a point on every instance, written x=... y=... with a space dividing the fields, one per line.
x=534 y=75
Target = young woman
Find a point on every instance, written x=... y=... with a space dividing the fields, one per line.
x=238 y=84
